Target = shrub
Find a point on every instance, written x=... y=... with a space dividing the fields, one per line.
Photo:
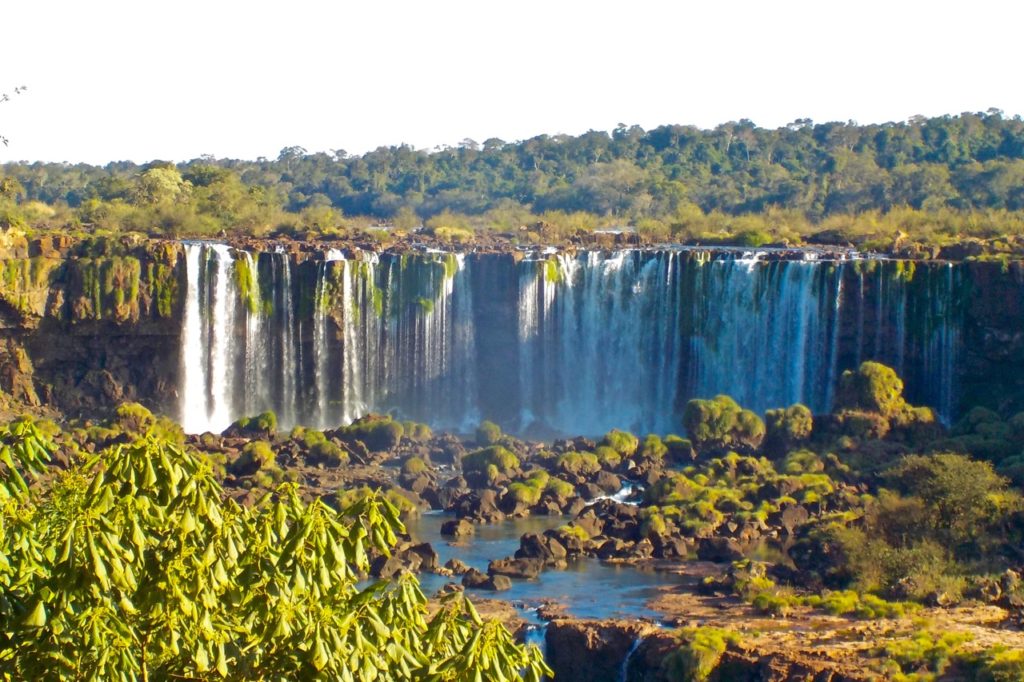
x=679 y=449
x=653 y=448
x=873 y=387
x=608 y=457
x=497 y=456
x=965 y=495
x=255 y=456
x=787 y=428
x=488 y=433
x=698 y=655
x=327 y=453
x=418 y=432
x=413 y=466
x=559 y=489
x=377 y=432
x=525 y=493
x=622 y=442
x=579 y=463
x=133 y=419
x=720 y=423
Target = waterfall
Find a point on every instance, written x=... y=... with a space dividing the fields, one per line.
x=564 y=343
x=624 y=672
x=208 y=335
x=192 y=397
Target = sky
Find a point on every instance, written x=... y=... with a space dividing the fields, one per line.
x=134 y=80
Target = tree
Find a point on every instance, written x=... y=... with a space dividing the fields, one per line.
x=132 y=565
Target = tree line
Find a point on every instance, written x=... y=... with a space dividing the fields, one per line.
x=664 y=181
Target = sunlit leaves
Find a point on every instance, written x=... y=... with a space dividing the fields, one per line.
x=133 y=565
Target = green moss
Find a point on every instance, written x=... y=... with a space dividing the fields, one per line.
x=247 y=285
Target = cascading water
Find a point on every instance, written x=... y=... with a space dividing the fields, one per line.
x=555 y=343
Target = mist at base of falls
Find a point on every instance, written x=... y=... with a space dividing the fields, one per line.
x=550 y=344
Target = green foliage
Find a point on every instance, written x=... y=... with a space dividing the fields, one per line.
x=699 y=653
x=559 y=489
x=133 y=566
x=873 y=387
x=496 y=455
x=720 y=423
x=327 y=453
x=963 y=495
x=417 y=432
x=787 y=428
x=413 y=466
x=653 y=448
x=525 y=493
x=608 y=457
x=256 y=455
x=378 y=433
x=488 y=433
x=622 y=442
x=579 y=463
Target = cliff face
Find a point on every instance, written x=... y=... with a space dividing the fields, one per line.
x=85 y=325
x=322 y=334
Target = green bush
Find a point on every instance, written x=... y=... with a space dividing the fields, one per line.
x=720 y=423
x=653 y=448
x=965 y=495
x=559 y=489
x=608 y=457
x=787 y=428
x=525 y=493
x=488 y=433
x=414 y=466
x=328 y=454
x=873 y=387
x=378 y=433
x=622 y=442
x=497 y=456
x=255 y=456
x=417 y=432
x=698 y=655
x=579 y=463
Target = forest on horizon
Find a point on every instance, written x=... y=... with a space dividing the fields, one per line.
x=939 y=178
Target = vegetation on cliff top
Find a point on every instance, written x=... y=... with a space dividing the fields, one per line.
x=928 y=182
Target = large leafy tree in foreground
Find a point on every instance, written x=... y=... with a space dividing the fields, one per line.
x=132 y=565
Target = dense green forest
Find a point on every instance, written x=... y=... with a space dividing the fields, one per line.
x=937 y=179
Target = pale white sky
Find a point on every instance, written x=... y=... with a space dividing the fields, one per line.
x=111 y=80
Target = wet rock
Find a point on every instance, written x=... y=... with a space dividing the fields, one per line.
x=543 y=547
x=590 y=650
x=524 y=569
x=429 y=560
x=498 y=583
x=474 y=579
x=457 y=566
x=719 y=550
x=457 y=528
x=608 y=482
x=388 y=567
